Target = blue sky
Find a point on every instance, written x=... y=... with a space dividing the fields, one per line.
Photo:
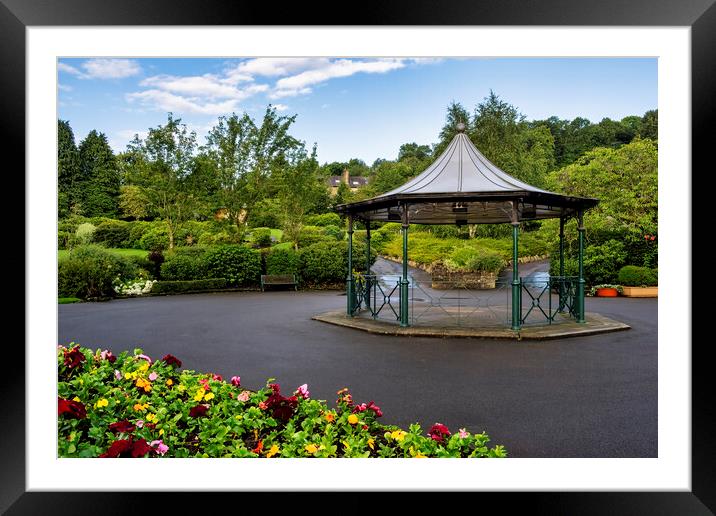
x=364 y=108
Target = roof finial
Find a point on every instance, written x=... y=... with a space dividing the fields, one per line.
x=460 y=127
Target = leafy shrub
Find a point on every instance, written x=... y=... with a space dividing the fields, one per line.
x=64 y=239
x=265 y=214
x=155 y=238
x=310 y=235
x=324 y=219
x=602 y=262
x=474 y=260
x=113 y=233
x=239 y=265
x=89 y=271
x=335 y=232
x=179 y=287
x=282 y=261
x=323 y=263
x=137 y=229
x=183 y=267
x=634 y=276
x=261 y=237
x=201 y=415
x=220 y=238
x=84 y=233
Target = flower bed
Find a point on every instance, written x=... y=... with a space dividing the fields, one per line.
x=130 y=406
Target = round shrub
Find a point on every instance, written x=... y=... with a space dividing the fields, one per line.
x=602 y=262
x=335 y=232
x=137 y=229
x=323 y=263
x=113 y=233
x=222 y=237
x=237 y=264
x=156 y=237
x=88 y=272
x=324 y=219
x=261 y=237
x=634 y=276
x=310 y=235
x=282 y=261
x=183 y=267
x=84 y=233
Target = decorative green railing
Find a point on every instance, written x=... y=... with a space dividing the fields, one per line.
x=539 y=294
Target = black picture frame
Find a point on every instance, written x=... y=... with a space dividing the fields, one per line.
x=699 y=15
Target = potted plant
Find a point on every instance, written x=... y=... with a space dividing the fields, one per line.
x=606 y=290
x=639 y=281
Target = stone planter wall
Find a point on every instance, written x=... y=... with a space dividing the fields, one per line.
x=442 y=279
x=641 y=291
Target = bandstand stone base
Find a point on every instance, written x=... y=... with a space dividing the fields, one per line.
x=596 y=324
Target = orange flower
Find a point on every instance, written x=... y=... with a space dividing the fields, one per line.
x=330 y=417
x=259 y=447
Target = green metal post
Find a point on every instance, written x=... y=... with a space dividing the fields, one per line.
x=561 y=264
x=367 y=264
x=404 y=279
x=516 y=302
x=580 y=284
x=349 y=278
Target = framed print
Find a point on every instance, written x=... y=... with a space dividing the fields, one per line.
x=677 y=41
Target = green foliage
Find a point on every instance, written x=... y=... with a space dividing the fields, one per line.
x=282 y=261
x=234 y=421
x=155 y=238
x=334 y=231
x=133 y=203
x=470 y=259
x=182 y=267
x=100 y=176
x=634 y=276
x=324 y=219
x=85 y=233
x=88 y=271
x=182 y=287
x=237 y=264
x=68 y=171
x=266 y=213
x=113 y=233
x=310 y=235
x=323 y=263
x=602 y=262
x=64 y=239
x=261 y=237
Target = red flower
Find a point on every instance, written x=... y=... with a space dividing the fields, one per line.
x=121 y=427
x=127 y=448
x=74 y=357
x=205 y=383
x=438 y=432
x=375 y=408
x=652 y=238
x=198 y=411
x=217 y=377
x=259 y=447
x=172 y=360
x=72 y=409
x=282 y=408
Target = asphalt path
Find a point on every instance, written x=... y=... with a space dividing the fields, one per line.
x=592 y=396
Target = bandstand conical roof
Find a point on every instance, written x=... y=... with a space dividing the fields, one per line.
x=463 y=187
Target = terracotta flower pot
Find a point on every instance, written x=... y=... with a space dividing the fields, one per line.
x=607 y=292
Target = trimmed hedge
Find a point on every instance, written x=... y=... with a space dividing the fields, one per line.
x=634 y=276
x=89 y=272
x=282 y=261
x=180 y=287
x=239 y=265
x=183 y=267
x=113 y=233
x=324 y=219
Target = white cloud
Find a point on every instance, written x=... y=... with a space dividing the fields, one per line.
x=277 y=66
x=279 y=94
x=110 y=68
x=207 y=85
x=280 y=107
x=64 y=87
x=64 y=67
x=337 y=68
x=166 y=101
x=128 y=134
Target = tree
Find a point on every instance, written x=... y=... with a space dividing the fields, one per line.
x=244 y=155
x=413 y=150
x=68 y=170
x=161 y=166
x=100 y=176
x=456 y=114
x=133 y=204
x=390 y=175
x=650 y=125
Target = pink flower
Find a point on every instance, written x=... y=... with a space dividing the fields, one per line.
x=117 y=374
x=145 y=357
x=236 y=381
x=161 y=448
x=107 y=355
x=463 y=433
x=153 y=376
x=244 y=396
x=139 y=423
x=217 y=377
x=303 y=391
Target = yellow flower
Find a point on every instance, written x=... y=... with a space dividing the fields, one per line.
x=161 y=431
x=101 y=403
x=199 y=394
x=209 y=396
x=311 y=448
x=151 y=417
x=169 y=381
x=353 y=419
x=273 y=451
x=348 y=446
x=144 y=384
x=181 y=387
x=76 y=399
x=371 y=443
x=398 y=435
x=145 y=365
x=140 y=407
x=417 y=454
x=330 y=417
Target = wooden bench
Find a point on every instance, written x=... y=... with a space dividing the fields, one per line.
x=278 y=279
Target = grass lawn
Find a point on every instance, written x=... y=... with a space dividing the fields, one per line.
x=62 y=253
x=67 y=300
x=283 y=245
